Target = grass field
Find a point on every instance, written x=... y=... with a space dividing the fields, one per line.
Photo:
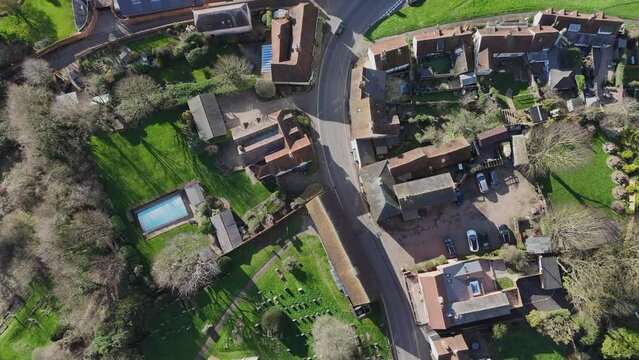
x=524 y=343
x=176 y=326
x=30 y=330
x=141 y=164
x=240 y=338
x=39 y=19
x=434 y=12
x=149 y=43
x=590 y=185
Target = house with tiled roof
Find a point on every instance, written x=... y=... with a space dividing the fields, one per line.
x=389 y=55
x=223 y=20
x=530 y=44
x=460 y=293
x=293 y=42
x=274 y=145
x=593 y=30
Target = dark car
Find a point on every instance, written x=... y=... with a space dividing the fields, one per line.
x=494 y=180
x=484 y=241
x=450 y=246
x=459 y=197
x=504 y=234
x=340 y=29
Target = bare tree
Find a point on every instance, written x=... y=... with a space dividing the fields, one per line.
x=37 y=72
x=230 y=69
x=334 y=339
x=28 y=108
x=137 y=96
x=576 y=227
x=185 y=264
x=559 y=147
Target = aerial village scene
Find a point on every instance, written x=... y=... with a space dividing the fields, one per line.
x=319 y=179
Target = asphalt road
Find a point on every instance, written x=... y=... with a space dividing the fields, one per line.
x=331 y=98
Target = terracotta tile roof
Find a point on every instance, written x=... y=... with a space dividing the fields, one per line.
x=500 y=133
x=413 y=161
x=446 y=40
x=297 y=145
x=390 y=53
x=590 y=23
x=517 y=40
x=447 y=154
x=293 y=41
x=435 y=297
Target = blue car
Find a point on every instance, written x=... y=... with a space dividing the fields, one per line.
x=459 y=197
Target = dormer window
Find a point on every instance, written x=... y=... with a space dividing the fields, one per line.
x=605 y=30
x=574 y=27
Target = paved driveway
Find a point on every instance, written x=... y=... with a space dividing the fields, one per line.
x=422 y=239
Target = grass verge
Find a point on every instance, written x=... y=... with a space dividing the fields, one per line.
x=39 y=19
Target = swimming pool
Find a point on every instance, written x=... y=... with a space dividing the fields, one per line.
x=162 y=213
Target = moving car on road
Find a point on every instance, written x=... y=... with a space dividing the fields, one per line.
x=450 y=246
x=481 y=182
x=504 y=234
x=473 y=242
x=340 y=28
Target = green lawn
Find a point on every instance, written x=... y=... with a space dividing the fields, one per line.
x=434 y=97
x=180 y=71
x=524 y=343
x=439 y=63
x=30 y=330
x=141 y=164
x=504 y=81
x=176 y=328
x=524 y=101
x=148 y=249
x=39 y=19
x=434 y=12
x=149 y=43
x=589 y=185
x=315 y=279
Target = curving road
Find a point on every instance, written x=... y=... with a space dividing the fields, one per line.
x=330 y=98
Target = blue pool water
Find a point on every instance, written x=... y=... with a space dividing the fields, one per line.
x=162 y=213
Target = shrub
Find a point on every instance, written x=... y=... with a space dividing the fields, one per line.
x=634 y=83
x=627 y=155
x=274 y=320
x=580 y=81
x=267 y=18
x=162 y=52
x=180 y=49
x=118 y=225
x=195 y=39
x=549 y=104
x=575 y=57
x=265 y=89
x=303 y=119
x=41 y=44
x=500 y=330
x=141 y=68
x=225 y=264
x=514 y=258
x=430 y=264
x=631 y=189
x=187 y=117
x=204 y=209
x=199 y=57
x=620 y=344
x=291 y=263
x=621 y=68
x=130 y=254
x=86 y=65
x=206 y=227
x=630 y=168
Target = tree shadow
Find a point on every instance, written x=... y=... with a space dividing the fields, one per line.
x=34 y=23
x=579 y=197
x=56 y=3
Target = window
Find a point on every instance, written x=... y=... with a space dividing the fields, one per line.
x=574 y=27
x=475 y=287
x=440 y=45
x=605 y=30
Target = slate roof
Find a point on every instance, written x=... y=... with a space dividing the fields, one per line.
x=590 y=23
x=207 y=116
x=494 y=135
x=377 y=183
x=145 y=7
x=418 y=194
x=222 y=17
x=226 y=231
x=561 y=79
x=538 y=114
x=538 y=245
x=550 y=273
x=194 y=193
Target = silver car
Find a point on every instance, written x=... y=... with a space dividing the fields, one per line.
x=481 y=182
x=473 y=242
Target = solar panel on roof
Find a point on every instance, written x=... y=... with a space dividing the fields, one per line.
x=267 y=57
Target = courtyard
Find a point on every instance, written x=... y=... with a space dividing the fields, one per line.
x=423 y=238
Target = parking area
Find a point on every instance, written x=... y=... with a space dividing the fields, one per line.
x=423 y=238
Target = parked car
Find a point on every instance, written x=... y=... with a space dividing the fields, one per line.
x=340 y=29
x=494 y=180
x=459 y=197
x=473 y=242
x=485 y=242
x=481 y=182
x=450 y=246
x=504 y=234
